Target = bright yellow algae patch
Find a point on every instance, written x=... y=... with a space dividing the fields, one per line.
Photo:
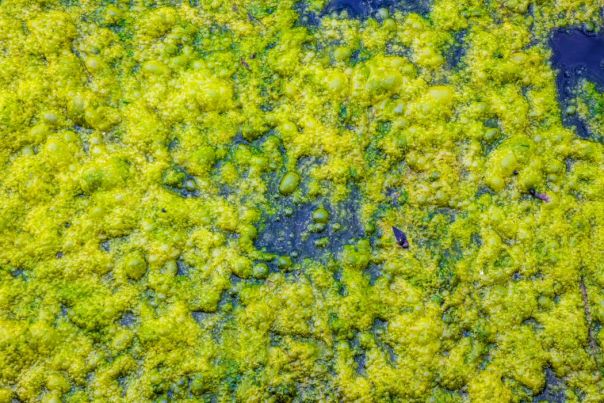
x=147 y=148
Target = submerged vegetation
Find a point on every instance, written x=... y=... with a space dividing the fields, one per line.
x=269 y=200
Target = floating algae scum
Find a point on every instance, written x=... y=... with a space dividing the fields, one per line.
x=197 y=201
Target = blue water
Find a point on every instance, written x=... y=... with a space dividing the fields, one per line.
x=368 y=8
x=576 y=55
x=363 y=9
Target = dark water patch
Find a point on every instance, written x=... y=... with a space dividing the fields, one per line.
x=361 y=360
x=359 y=356
x=307 y=17
x=283 y=233
x=374 y=271
x=105 y=246
x=275 y=339
x=182 y=268
x=533 y=323
x=554 y=390
x=476 y=239
x=20 y=273
x=346 y=216
x=112 y=244
x=487 y=356
x=576 y=55
x=575 y=50
x=173 y=144
x=395 y=48
x=128 y=319
x=359 y=56
x=364 y=9
x=379 y=327
x=235 y=280
x=342 y=290
x=122 y=381
x=483 y=190
x=354 y=8
x=83 y=131
x=389 y=351
x=229 y=298
x=292 y=232
x=455 y=53
x=396 y=196
x=569 y=163
x=239 y=139
x=340 y=286
x=379 y=330
x=200 y=316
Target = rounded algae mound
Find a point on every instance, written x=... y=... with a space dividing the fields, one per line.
x=148 y=147
x=289 y=183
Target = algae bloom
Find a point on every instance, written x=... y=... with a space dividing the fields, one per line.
x=283 y=200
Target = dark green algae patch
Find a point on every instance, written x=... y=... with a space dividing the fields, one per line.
x=198 y=202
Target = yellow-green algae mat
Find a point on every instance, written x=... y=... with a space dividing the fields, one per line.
x=197 y=202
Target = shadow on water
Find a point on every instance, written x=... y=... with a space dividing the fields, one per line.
x=577 y=55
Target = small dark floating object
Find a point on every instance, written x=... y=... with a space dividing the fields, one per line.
x=540 y=196
x=401 y=238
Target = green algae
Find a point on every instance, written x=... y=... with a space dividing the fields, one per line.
x=590 y=107
x=145 y=144
x=289 y=183
x=320 y=215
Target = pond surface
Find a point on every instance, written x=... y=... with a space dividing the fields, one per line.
x=577 y=55
x=368 y=8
